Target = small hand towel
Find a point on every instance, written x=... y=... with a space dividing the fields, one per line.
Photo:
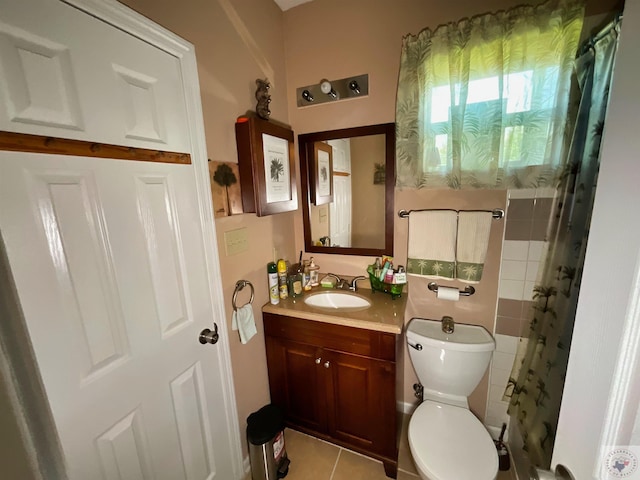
x=243 y=321
x=432 y=243
x=471 y=250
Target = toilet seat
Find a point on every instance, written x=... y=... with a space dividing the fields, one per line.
x=450 y=443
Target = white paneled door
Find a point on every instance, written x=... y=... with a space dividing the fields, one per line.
x=109 y=257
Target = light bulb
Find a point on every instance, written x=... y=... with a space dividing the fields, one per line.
x=325 y=87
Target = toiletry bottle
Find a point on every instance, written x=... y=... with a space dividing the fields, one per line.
x=383 y=272
x=313 y=273
x=272 y=273
x=295 y=284
x=400 y=276
x=388 y=276
x=306 y=277
x=377 y=269
x=282 y=279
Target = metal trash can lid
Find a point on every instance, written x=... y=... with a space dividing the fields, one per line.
x=263 y=425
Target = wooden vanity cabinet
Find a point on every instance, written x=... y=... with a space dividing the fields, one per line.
x=337 y=383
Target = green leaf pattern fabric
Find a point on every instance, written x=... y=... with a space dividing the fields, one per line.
x=482 y=103
x=537 y=381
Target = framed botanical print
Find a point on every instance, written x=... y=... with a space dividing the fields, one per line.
x=321 y=173
x=266 y=163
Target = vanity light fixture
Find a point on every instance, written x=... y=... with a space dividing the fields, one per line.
x=327 y=88
x=333 y=90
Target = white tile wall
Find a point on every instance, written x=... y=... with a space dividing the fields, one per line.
x=506 y=343
x=521 y=266
x=501 y=365
x=514 y=270
x=522 y=193
x=537 y=250
x=546 y=192
x=511 y=289
x=532 y=271
x=515 y=250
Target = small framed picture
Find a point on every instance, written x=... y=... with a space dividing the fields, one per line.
x=225 y=188
x=321 y=173
x=266 y=162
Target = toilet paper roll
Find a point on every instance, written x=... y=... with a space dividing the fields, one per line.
x=448 y=293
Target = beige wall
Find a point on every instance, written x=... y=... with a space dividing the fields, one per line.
x=368 y=199
x=236 y=43
x=478 y=309
x=335 y=39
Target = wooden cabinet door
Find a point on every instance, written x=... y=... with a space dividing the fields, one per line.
x=296 y=381
x=362 y=397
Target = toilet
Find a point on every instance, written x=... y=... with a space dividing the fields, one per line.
x=446 y=440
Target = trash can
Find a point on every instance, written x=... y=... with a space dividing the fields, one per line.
x=267 y=453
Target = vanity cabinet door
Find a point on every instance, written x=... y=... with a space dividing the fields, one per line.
x=335 y=382
x=297 y=382
x=362 y=395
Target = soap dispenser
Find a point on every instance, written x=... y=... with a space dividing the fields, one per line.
x=313 y=273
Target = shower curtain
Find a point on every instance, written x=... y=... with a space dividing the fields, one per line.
x=537 y=379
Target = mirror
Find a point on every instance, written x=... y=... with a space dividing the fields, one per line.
x=349 y=195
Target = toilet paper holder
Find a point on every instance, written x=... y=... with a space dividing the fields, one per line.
x=469 y=290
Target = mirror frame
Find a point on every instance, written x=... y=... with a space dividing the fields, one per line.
x=305 y=146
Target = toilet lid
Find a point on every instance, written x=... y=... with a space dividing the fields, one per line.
x=450 y=443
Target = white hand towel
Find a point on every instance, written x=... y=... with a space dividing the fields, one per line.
x=473 y=239
x=432 y=243
x=243 y=321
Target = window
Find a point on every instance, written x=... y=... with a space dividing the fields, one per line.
x=484 y=102
x=525 y=105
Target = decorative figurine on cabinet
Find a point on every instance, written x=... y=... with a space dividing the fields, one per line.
x=263 y=97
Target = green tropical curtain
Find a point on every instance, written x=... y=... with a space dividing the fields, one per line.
x=537 y=381
x=482 y=103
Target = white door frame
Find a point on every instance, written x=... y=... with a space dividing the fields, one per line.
x=602 y=388
x=25 y=391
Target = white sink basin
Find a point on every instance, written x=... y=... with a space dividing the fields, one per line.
x=337 y=300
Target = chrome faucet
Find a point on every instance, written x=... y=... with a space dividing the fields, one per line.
x=344 y=284
x=340 y=282
x=353 y=285
x=448 y=325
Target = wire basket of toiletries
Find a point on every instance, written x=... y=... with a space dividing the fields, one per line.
x=393 y=283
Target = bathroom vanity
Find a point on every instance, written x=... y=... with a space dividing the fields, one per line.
x=337 y=373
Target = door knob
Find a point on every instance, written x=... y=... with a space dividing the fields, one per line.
x=326 y=364
x=318 y=360
x=208 y=336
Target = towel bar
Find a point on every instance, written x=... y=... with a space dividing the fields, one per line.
x=497 y=213
x=468 y=291
x=240 y=284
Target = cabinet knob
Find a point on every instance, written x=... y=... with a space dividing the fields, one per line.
x=318 y=360
x=326 y=364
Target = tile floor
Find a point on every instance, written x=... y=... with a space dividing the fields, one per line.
x=314 y=459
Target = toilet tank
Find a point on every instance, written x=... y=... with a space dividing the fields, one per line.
x=448 y=365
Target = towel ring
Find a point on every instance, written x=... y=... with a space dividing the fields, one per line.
x=468 y=291
x=240 y=284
